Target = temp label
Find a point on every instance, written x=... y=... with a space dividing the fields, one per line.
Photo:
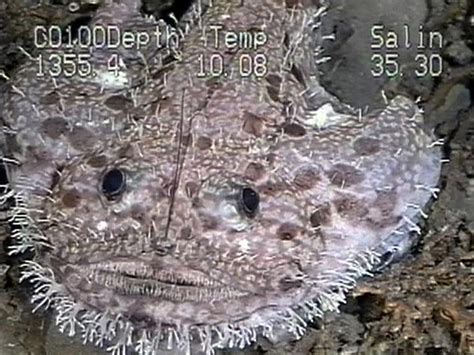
x=250 y=61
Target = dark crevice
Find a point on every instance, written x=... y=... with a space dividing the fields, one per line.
x=166 y=9
x=74 y=27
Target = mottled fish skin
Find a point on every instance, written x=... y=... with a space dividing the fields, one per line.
x=179 y=250
x=52 y=119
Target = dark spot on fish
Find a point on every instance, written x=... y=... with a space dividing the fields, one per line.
x=50 y=98
x=81 y=138
x=288 y=231
x=273 y=93
x=388 y=221
x=350 y=207
x=253 y=124
x=97 y=161
x=287 y=283
x=254 y=171
x=118 y=103
x=274 y=80
x=54 y=127
x=321 y=215
x=203 y=143
x=71 y=198
x=294 y=130
x=366 y=146
x=306 y=177
x=343 y=175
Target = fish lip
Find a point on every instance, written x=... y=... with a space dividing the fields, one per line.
x=159 y=280
x=168 y=271
x=164 y=271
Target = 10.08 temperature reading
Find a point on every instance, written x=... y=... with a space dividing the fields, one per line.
x=247 y=65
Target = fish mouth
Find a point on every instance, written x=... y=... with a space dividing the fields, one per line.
x=163 y=281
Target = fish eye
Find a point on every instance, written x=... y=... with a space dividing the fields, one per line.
x=113 y=183
x=249 y=201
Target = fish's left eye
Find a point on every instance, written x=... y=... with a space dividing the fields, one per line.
x=113 y=183
x=249 y=201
